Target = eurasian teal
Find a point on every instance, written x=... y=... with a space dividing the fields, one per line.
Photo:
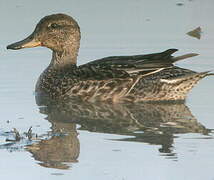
x=151 y=77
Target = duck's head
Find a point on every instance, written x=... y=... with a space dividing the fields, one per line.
x=58 y=32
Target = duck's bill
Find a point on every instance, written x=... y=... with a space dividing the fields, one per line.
x=29 y=42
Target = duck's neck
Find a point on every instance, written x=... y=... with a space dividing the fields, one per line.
x=64 y=58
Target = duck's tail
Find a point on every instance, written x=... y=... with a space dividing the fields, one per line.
x=179 y=87
x=188 y=78
x=210 y=73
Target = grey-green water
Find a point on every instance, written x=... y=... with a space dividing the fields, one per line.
x=101 y=142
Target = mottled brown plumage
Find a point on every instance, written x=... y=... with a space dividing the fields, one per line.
x=151 y=77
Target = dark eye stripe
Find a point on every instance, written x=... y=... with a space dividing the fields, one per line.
x=54 y=25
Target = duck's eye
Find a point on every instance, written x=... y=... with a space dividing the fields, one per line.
x=54 y=25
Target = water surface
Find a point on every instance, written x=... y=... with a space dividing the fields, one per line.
x=94 y=141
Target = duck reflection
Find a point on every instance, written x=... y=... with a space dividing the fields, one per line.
x=63 y=147
x=153 y=123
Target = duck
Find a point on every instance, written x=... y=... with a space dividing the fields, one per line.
x=134 y=78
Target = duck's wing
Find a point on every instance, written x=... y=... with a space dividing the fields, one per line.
x=138 y=64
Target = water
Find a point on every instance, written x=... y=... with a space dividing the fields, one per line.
x=93 y=141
